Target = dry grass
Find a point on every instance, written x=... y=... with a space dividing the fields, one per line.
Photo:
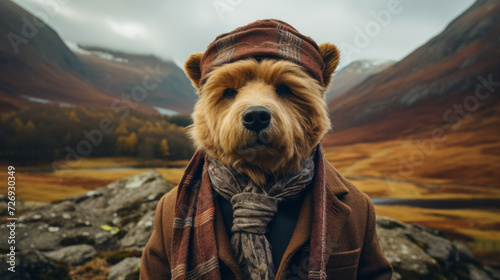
x=390 y=187
x=96 y=269
x=483 y=224
x=464 y=166
x=104 y=162
x=47 y=187
x=463 y=169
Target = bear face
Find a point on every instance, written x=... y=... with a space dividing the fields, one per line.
x=260 y=117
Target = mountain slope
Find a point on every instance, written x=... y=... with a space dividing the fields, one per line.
x=121 y=72
x=353 y=74
x=435 y=114
x=417 y=90
x=36 y=66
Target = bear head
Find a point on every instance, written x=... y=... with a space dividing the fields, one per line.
x=261 y=111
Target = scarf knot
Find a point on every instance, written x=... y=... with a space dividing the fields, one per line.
x=252 y=212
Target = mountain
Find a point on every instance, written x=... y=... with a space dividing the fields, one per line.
x=417 y=90
x=170 y=92
x=353 y=74
x=38 y=67
x=439 y=106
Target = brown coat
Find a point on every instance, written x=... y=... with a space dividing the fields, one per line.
x=352 y=246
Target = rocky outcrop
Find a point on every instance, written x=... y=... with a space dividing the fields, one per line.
x=117 y=219
x=73 y=255
x=126 y=269
x=31 y=265
x=417 y=252
x=114 y=223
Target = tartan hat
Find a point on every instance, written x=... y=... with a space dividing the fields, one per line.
x=268 y=38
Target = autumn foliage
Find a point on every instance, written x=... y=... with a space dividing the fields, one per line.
x=47 y=132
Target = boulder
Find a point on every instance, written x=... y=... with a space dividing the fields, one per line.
x=417 y=252
x=100 y=218
x=32 y=264
x=73 y=255
x=126 y=269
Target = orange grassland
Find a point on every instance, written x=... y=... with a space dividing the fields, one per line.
x=458 y=167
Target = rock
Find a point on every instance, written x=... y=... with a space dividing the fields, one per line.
x=417 y=252
x=126 y=269
x=139 y=235
x=73 y=255
x=21 y=206
x=79 y=219
x=32 y=264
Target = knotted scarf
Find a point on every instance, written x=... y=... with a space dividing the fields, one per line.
x=194 y=251
x=254 y=207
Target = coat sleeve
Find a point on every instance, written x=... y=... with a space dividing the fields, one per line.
x=155 y=263
x=372 y=264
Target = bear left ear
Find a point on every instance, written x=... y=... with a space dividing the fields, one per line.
x=193 y=68
x=331 y=56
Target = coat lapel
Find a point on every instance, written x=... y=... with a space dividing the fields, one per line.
x=337 y=212
x=300 y=235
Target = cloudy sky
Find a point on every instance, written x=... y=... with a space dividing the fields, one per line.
x=363 y=29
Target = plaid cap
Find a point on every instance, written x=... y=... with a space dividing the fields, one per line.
x=268 y=38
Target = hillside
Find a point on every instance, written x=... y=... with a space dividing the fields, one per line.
x=120 y=72
x=422 y=86
x=422 y=118
x=38 y=67
x=353 y=74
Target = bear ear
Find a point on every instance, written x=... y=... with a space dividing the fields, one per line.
x=331 y=56
x=193 y=68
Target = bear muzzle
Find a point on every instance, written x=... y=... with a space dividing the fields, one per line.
x=256 y=118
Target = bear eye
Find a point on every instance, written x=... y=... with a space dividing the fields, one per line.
x=283 y=90
x=229 y=93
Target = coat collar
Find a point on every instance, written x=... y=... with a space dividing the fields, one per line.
x=337 y=213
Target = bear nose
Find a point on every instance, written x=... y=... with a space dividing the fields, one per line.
x=256 y=118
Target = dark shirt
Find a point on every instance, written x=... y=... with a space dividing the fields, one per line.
x=280 y=229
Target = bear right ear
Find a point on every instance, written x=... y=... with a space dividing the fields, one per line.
x=193 y=68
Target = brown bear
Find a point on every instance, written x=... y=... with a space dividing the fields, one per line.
x=258 y=200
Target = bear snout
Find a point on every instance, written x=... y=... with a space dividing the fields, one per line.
x=256 y=118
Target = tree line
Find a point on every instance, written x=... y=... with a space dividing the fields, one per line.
x=44 y=133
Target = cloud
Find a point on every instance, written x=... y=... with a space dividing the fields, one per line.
x=174 y=29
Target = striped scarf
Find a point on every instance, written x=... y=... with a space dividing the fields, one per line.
x=194 y=252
